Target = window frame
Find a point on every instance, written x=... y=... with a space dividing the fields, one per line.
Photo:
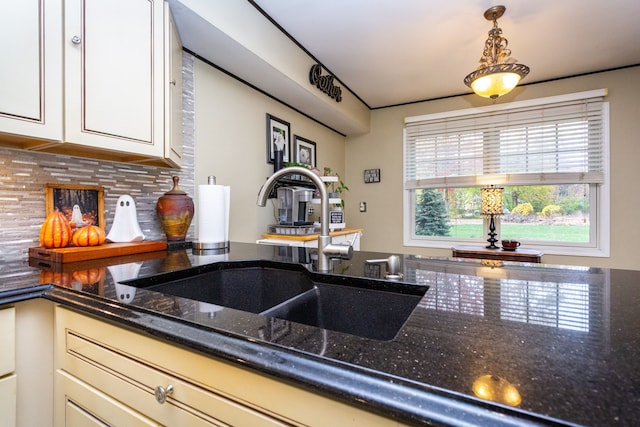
x=599 y=194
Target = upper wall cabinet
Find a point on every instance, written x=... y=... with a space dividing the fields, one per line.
x=110 y=58
x=173 y=105
x=31 y=71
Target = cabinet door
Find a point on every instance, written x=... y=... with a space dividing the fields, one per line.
x=7 y=341
x=31 y=71
x=114 y=77
x=173 y=104
x=8 y=386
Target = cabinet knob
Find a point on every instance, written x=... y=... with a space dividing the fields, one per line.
x=162 y=393
x=76 y=39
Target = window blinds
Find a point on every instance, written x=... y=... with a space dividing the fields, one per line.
x=560 y=141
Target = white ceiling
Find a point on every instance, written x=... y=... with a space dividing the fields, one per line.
x=391 y=52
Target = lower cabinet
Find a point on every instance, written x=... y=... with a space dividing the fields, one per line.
x=8 y=387
x=8 y=379
x=109 y=375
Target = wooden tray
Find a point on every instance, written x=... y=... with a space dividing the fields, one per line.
x=74 y=254
x=70 y=267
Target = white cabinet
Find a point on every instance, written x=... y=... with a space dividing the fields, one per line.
x=113 y=74
x=173 y=90
x=109 y=366
x=8 y=382
x=8 y=387
x=109 y=57
x=7 y=341
x=34 y=362
x=31 y=71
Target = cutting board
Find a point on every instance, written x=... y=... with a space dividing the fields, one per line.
x=74 y=254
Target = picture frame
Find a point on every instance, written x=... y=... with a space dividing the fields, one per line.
x=305 y=151
x=88 y=198
x=278 y=134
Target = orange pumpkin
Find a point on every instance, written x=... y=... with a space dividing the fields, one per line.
x=90 y=276
x=89 y=235
x=55 y=231
x=60 y=279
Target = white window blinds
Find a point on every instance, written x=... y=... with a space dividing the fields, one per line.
x=559 y=140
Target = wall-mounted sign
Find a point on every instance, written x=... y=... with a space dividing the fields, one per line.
x=324 y=83
x=371 y=175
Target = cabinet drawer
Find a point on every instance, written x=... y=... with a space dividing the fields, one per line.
x=87 y=406
x=129 y=366
x=7 y=341
x=133 y=381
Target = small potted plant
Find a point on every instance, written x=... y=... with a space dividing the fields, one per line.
x=336 y=187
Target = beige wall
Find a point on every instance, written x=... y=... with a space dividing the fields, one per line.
x=382 y=148
x=231 y=144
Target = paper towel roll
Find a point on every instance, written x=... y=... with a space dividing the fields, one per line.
x=213 y=214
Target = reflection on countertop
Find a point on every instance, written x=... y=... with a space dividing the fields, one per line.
x=564 y=338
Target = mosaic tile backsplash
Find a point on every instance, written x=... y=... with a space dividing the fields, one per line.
x=24 y=174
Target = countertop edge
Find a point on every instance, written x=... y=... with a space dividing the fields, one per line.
x=16 y=295
x=369 y=390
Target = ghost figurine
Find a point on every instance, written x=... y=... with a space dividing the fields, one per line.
x=76 y=216
x=125 y=227
x=119 y=273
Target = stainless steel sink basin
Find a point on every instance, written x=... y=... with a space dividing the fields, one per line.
x=369 y=308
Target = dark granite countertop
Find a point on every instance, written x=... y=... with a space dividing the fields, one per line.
x=565 y=338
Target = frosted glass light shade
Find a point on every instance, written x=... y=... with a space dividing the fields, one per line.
x=495 y=85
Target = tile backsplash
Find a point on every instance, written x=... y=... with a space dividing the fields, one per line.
x=24 y=174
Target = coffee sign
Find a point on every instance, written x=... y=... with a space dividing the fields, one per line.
x=324 y=83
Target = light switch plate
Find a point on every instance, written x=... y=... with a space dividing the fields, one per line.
x=371 y=175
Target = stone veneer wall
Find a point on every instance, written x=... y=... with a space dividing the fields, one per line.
x=23 y=175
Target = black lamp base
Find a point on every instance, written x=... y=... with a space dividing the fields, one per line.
x=492 y=235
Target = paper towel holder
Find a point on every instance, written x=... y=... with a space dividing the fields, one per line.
x=205 y=246
x=210 y=248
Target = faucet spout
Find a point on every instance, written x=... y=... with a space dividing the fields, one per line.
x=326 y=250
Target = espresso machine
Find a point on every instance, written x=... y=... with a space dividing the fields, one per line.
x=294 y=206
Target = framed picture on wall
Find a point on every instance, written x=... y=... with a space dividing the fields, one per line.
x=278 y=138
x=80 y=204
x=305 y=151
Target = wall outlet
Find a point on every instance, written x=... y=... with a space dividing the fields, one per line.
x=363 y=206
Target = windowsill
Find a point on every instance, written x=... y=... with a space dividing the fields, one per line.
x=546 y=249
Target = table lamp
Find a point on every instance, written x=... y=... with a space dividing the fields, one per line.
x=491 y=206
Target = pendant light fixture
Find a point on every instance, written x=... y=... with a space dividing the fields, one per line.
x=497 y=73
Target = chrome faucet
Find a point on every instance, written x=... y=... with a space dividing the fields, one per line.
x=326 y=249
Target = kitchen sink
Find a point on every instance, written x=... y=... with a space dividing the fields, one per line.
x=247 y=286
x=353 y=310
x=369 y=308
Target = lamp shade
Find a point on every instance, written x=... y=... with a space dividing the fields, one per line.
x=491 y=200
x=497 y=389
x=495 y=83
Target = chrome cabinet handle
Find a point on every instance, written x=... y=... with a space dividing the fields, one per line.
x=162 y=393
x=76 y=39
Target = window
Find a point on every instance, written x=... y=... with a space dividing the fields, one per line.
x=550 y=155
